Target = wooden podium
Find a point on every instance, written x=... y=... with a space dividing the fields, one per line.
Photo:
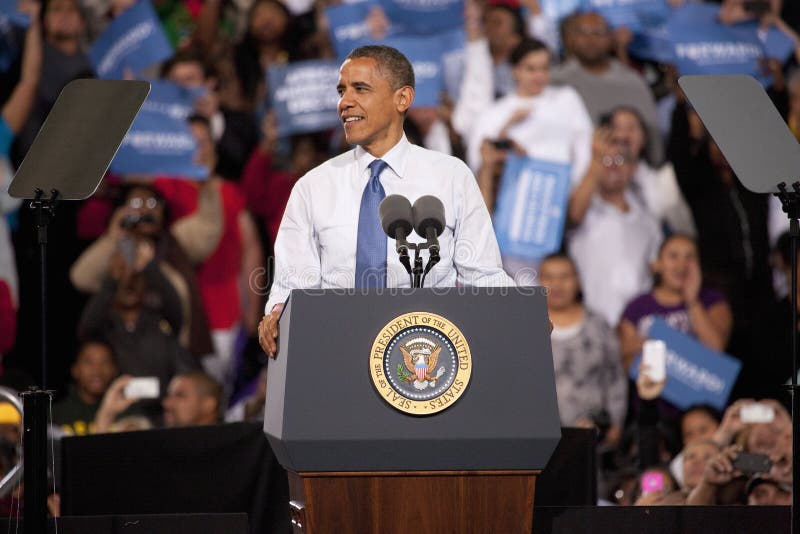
x=358 y=464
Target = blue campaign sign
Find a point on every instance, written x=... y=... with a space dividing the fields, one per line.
x=160 y=141
x=424 y=16
x=653 y=44
x=135 y=40
x=633 y=14
x=558 y=9
x=714 y=49
x=425 y=55
x=348 y=26
x=10 y=13
x=695 y=373
x=303 y=95
x=531 y=207
x=453 y=48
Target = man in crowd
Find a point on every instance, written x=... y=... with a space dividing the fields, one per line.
x=192 y=399
x=603 y=82
x=315 y=246
x=94 y=369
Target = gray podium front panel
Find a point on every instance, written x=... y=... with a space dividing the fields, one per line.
x=323 y=413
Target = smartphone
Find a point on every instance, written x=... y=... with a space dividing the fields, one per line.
x=502 y=144
x=654 y=356
x=652 y=482
x=144 y=387
x=127 y=249
x=757 y=413
x=750 y=463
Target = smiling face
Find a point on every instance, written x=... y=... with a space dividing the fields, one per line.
x=673 y=262
x=94 y=369
x=371 y=111
x=695 y=457
x=532 y=73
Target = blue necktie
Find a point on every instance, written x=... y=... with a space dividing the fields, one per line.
x=371 y=244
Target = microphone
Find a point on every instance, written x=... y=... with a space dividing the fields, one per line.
x=429 y=219
x=396 y=214
x=429 y=223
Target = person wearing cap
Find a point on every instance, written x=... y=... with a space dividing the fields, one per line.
x=331 y=236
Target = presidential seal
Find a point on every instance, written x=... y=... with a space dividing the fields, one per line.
x=420 y=363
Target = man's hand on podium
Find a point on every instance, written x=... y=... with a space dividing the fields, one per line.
x=268 y=331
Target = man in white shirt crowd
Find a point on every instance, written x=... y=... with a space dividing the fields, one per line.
x=330 y=235
x=613 y=238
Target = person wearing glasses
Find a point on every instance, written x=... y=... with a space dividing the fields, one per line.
x=138 y=235
x=613 y=238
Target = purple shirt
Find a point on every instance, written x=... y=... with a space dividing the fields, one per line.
x=643 y=309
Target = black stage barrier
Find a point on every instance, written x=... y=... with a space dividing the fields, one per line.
x=212 y=469
x=570 y=478
x=662 y=520
x=143 y=524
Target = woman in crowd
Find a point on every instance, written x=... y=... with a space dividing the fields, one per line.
x=679 y=299
x=590 y=383
x=544 y=121
x=656 y=187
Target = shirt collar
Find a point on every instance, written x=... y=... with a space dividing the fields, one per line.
x=395 y=158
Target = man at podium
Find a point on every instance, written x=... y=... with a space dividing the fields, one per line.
x=331 y=236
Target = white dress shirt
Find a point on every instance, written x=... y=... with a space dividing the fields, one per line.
x=558 y=128
x=612 y=250
x=316 y=242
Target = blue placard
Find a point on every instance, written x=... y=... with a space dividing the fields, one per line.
x=424 y=16
x=135 y=40
x=715 y=49
x=425 y=55
x=653 y=44
x=347 y=27
x=303 y=96
x=531 y=207
x=9 y=12
x=160 y=141
x=695 y=373
x=633 y=14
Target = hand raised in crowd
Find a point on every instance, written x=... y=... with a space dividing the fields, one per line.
x=32 y=8
x=646 y=387
x=731 y=423
x=473 y=20
x=268 y=331
x=377 y=23
x=145 y=253
x=207 y=104
x=691 y=289
x=602 y=144
x=781 y=459
x=269 y=132
x=114 y=403
x=719 y=470
x=116 y=229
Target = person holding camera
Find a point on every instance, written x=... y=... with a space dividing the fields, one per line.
x=137 y=230
x=541 y=120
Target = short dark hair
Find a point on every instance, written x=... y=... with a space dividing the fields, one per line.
x=187 y=56
x=707 y=409
x=205 y=384
x=525 y=47
x=394 y=66
x=608 y=118
x=89 y=341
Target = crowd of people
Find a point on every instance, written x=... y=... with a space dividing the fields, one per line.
x=160 y=276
